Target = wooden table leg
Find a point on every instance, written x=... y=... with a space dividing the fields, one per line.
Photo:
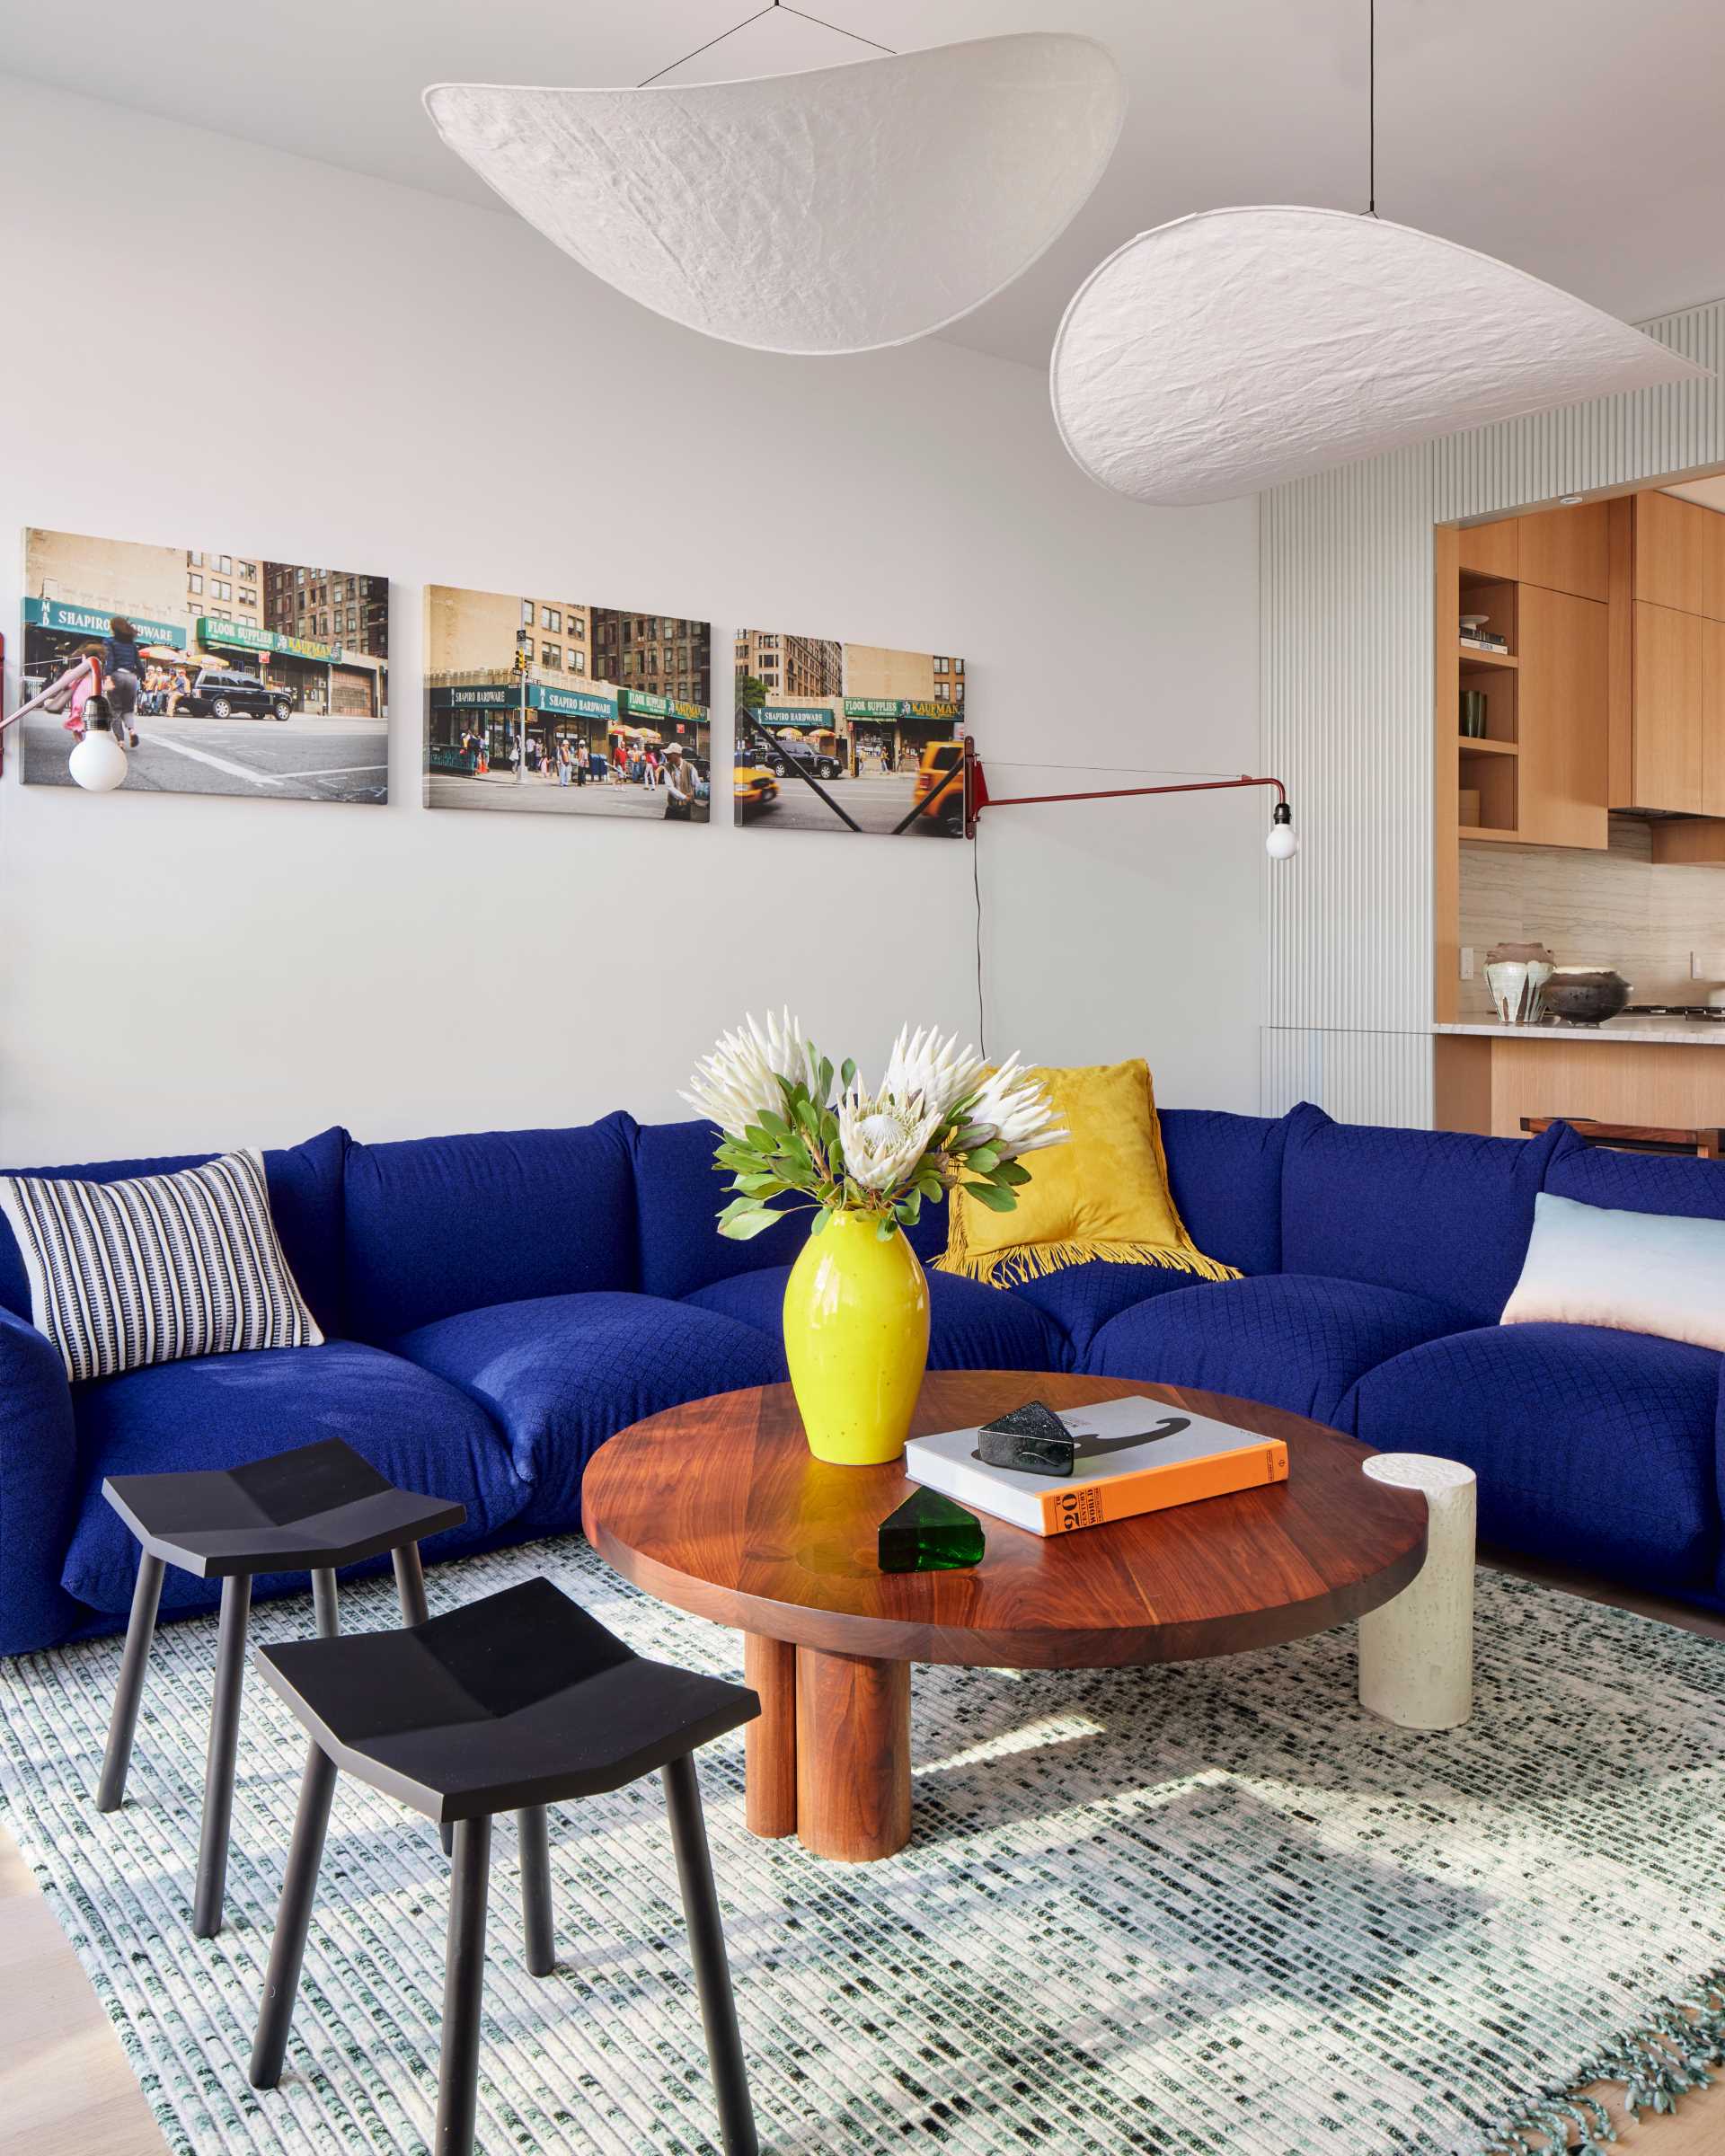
x=770 y=1741
x=853 y=1755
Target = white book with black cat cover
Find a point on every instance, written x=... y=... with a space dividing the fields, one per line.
x=1134 y=1455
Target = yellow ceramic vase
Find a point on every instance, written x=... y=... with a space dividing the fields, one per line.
x=856 y=1339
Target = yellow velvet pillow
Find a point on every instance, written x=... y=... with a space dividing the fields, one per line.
x=1103 y=1196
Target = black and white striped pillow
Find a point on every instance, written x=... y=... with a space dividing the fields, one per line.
x=158 y=1268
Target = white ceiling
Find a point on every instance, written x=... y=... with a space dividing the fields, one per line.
x=1577 y=138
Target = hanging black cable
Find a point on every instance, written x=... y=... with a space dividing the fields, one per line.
x=772 y=6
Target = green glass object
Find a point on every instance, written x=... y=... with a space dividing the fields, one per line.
x=930 y=1533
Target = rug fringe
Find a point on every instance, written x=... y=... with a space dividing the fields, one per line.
x=1675 y=2051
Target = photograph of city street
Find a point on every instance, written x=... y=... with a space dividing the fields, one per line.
x=834 y=737
x=555 y=705
x=223 y=672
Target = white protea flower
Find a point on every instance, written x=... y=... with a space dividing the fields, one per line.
x=740 y=1078
x=1014 y=1106
x=924 y=1070
x=884 y=1137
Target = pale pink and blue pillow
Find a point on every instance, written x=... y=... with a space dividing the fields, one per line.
x=1657 y=1273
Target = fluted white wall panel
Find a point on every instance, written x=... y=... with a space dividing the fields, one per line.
x=1347 y=680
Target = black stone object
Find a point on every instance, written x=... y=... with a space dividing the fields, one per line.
x=930 y=1533
x=1031 y=1438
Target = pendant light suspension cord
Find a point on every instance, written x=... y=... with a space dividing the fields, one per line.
x=1371 y=107
x=773 y=7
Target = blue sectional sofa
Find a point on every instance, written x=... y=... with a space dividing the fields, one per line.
x=498 y=1304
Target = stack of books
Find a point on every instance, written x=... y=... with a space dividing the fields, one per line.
x=1130 y=1456
x=1485 y=639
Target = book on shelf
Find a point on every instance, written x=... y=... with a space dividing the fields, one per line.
x=1134 y=1455
x=1486 y=643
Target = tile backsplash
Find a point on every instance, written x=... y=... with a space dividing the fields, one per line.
x=1611 y=908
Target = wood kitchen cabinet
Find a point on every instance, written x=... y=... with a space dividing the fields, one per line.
x=1563 y=718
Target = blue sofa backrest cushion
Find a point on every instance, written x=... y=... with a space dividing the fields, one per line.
x=438 y=1225
x=1225 y=1174
x=680 y=1191
x=1636 y=1182
x=1438 y=1213
x=305 y=1193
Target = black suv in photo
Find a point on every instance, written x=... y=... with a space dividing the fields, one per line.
x=219 y=693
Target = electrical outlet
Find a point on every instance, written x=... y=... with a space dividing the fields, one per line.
x=1467 y=961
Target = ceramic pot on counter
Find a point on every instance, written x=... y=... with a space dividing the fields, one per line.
x=1584 y=995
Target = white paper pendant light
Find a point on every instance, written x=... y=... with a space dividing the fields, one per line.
x=833 y=211
x=1227 y=352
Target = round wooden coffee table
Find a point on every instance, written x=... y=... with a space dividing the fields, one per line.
x=719 y=1508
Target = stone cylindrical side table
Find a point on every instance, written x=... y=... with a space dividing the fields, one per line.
x=1416 y=1654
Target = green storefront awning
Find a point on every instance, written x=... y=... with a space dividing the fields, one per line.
x=213 y=632
x=506 y=696
x=93 y=620
x=899 y=707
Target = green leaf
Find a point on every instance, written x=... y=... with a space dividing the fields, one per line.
x=745 y=1226
x=823 y=1214
x=990 y=1195
x=910 y=1208
x=846 y=1074
x=887 y=1229
x=808 y=1115
x=971 y=1134
x=1013 y=1172
x=982 y=1159
x=824 y=1090
x=776 y=1124
x=797 y=1153
x=759 y=1140
x=761 y=1185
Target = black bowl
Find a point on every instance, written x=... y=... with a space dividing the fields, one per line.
x=1585 y=999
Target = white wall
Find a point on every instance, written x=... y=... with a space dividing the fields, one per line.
x=185 y=971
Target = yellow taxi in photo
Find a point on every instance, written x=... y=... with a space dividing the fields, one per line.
x=938 y=758
x=753 y=789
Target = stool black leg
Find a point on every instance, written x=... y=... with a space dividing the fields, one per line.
x=128 y=1696
x=409 y=1588
x=223 y=1743
x=410 y=1585
x=325 y=1608
x=534 y=1831
x=463 y=1984
x=288 y=1948
x=712 y=1971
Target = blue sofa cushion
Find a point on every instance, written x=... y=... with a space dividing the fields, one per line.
x=560 y=1373
x=305 y=1195
x=971 y=1325
x=1438 y=1214
x=435 y=1226
x=1636 y=1182
x=219 y=1410
x=1593 y=1447
x=1225 y=1174
x=1081 y=1299
x=1288 y=1338
x=680 y=1191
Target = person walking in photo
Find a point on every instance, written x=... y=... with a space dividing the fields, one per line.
x=123 y=669
x=679 y=784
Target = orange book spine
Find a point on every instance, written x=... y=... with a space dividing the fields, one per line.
x=1154 y=1489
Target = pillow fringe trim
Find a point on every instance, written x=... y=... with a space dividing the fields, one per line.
x=1018 y=1263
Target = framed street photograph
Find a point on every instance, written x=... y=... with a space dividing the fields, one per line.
x=852 y=738
x=555 y=706
x=224 y=672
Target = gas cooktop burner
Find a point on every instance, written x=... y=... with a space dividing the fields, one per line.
x=1715 y=1013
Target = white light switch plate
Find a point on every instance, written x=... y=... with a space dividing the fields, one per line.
x=1467 y=961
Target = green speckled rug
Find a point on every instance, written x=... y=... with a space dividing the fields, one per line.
x=1211 y=1908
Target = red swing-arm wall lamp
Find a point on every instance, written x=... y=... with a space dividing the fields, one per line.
x=1281 y=842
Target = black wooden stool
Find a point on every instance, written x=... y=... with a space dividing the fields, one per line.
x=315 y=1508
x=512 y=1703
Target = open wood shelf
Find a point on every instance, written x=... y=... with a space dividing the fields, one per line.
x=1487 y=831
x=1480 y=745
x=1473 y=656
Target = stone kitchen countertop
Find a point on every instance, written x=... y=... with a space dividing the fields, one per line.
x=1685 y=1032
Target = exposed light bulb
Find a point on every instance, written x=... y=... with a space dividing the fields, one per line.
x=1283 y=841
x=98 y=763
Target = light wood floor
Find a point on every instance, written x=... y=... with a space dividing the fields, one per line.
x=67 y=2090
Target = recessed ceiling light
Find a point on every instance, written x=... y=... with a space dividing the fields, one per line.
x=1567 y=501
